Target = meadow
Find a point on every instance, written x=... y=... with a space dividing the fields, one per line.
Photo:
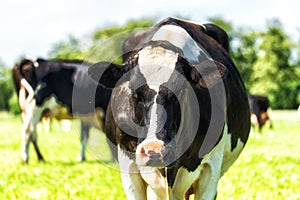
x=268 y=168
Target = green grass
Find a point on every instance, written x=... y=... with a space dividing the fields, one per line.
x=62 y=176
x=268 y=168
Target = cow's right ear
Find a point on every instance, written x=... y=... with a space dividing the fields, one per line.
x=107 y=73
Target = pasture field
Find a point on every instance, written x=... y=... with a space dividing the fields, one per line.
x=268 y=168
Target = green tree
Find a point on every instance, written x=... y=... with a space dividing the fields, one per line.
x=263 y=58
x=6 y=87
x=107 y=42
x=298 y=48
x=243 y=48
x=244 y=54
x=273 y=73
x=70 y=49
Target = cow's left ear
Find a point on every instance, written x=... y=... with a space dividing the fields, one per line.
x=208 y=73
x=107 y=73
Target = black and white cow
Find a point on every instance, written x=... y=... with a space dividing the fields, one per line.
x=60 y=89
x=178 y=116
x=260 y=111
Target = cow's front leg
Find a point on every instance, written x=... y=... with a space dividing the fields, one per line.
x=84 y=139
x=206 y=187
x=29 y=135
x=36 y=147
x=30 y=120
x=26 y=131
x=157 y=184
x=211 y=172
x=25 y=134
x=36 y=118
x=134 y=186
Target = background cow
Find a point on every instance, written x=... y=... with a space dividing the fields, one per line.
x=60 y=89
x=260 y=111
x=179 y=115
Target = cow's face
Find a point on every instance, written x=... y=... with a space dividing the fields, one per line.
x=156 y=104
x=152 y=99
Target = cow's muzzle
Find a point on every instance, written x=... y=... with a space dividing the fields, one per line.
x=154 y=153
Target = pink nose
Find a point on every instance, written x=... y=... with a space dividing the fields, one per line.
x=154 y=153
x=153 y=149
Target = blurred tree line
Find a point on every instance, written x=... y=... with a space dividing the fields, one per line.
x=268 y=60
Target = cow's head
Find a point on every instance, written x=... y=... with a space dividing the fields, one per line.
x=27 y=69
x=32 y=70
x=153 y=100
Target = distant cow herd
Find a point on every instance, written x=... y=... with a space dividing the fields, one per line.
x=60 y=89
x=175 y=113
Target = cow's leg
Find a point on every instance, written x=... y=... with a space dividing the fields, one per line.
x=254 y=122
x=36 y=147
x=260 y=122
x=100 y=120
x=30 y=120
x=84 y=139
x=46 y=124
x=206 y=187
x=37 y=113
x=25 y=132
x=183 y=185
x=213 y=166
x=157 y=184
x=134 y=186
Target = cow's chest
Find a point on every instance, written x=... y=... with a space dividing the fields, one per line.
x=202 y=181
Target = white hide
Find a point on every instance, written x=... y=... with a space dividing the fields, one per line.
x=157 y=65
x=181 y=39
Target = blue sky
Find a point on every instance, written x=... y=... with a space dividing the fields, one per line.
x=32 y=27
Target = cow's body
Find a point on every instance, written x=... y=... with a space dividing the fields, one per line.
x=260 y=111
x=60 y=89
x=178 y=118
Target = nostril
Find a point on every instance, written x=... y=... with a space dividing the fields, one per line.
x=151 y=150
x=143 y=152
x=153 y=154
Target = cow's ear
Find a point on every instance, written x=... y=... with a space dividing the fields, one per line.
x=107 y=73
x=208 y=73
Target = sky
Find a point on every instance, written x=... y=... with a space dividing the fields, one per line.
x=32 y=27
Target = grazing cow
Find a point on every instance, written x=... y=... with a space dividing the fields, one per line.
x=178 y=115
x=60 y=89
x=260 y=111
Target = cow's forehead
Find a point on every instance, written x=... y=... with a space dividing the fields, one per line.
x=157 y=65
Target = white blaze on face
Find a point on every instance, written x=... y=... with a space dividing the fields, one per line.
x=153 y=121
x=157 y=65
